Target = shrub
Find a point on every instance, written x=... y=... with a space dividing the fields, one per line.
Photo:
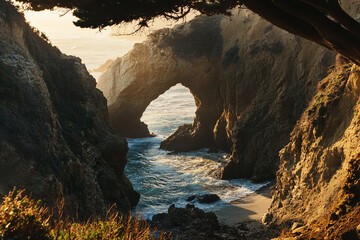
x=23 y=218
x=114 y=227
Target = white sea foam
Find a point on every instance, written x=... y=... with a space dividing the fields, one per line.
x=164 y=179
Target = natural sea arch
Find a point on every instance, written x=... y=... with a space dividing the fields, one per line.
x=170 y=110
x=250 y=88
x=169 y=58
x=150 y=82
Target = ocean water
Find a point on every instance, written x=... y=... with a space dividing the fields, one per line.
x=164 y=179
x=160 y=178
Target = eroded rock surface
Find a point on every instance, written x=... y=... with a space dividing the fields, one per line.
x=318 y=180
x=250 y=80
x=55 y=139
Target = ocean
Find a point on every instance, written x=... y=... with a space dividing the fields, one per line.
x=162 y=179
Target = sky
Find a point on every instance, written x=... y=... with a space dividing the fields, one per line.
x=94 y=47
x=91 y=45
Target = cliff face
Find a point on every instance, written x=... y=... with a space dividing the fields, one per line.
x=55 y=139
x=318 y=175
x=250 y=80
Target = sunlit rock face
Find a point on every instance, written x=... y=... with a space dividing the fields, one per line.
x=250 y=80
x=55 y=139
x=151 y=68
x=320 y=166
x=318 y=178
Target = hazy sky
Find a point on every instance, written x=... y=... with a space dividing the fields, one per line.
x=92 y=46
x=57 y=25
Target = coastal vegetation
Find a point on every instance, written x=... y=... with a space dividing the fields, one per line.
x=21 y=217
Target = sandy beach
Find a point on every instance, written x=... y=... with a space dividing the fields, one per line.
x=250 y=208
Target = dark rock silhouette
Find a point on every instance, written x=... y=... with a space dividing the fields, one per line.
x=55 y=139
x=206 y=198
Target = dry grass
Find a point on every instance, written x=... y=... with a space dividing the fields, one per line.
x=23 y=218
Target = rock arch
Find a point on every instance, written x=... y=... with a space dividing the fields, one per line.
x=130 y=94
x=251 y=82
x=149 y=70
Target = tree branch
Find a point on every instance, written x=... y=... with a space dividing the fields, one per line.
x=267 y=10
x=334 y=9
x=339 y=38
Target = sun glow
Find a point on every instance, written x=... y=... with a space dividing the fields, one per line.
x=93 y=46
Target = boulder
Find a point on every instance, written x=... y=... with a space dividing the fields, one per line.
x=208 y=198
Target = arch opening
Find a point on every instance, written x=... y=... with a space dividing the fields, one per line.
x=170 y=110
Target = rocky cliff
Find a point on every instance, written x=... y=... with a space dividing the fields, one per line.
x=318 y=179
x=55 y=139
x=250 y=80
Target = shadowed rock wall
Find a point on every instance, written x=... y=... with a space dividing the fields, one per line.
x=55 y=139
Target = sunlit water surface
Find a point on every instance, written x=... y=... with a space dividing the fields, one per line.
x=164 y=179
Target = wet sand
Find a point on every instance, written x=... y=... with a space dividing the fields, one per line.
x=249 y=208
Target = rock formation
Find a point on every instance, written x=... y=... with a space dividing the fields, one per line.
x=103 y=67
x=250 y=80
x=318 y=180
x=193 y=223
x=55 y=139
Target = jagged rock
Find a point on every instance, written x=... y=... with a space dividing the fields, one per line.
x=55 y=139
x=318 y=177
x=296 y=225
x=193 y=223
x=298 y=230
x=189 y=217
x=250 y=80
x=191 y=198
x=208 y=198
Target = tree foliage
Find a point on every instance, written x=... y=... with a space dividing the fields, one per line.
x=321 y=21
x=102 y=13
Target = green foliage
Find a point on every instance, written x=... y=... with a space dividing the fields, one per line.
x=113 y=227
x=23 y=218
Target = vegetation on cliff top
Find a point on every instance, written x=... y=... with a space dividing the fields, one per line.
x=24 y=218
